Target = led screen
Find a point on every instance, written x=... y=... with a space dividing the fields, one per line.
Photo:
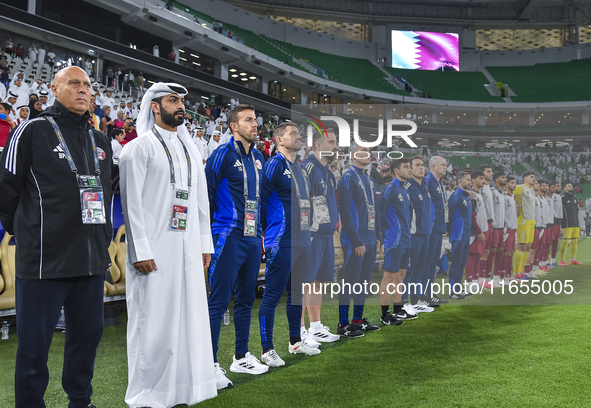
x=425 y=50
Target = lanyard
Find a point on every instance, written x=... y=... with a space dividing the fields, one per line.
x=256 y=172
x=295 y=180
x=367 y=202
x=443 y=195
x=66 y=150
x=169 y=157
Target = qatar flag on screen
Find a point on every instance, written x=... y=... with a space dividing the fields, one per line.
x=425 y=50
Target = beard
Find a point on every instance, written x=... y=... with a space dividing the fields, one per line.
x=170 y=119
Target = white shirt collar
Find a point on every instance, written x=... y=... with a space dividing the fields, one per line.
x=166 y=134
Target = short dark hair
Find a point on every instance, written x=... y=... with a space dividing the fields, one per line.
x=374 y=164
x=497 y=175
x=128 y=118
x=483 y=167
x=510 y=178
x=7 y=107
x=527 y=174
x=233 y=115
x=462 y=175
x=543 y=182
x=417 y=157
x=282 y=129
x=116 y=131
x=476 y=174
x=568 y=182
x=396 y=163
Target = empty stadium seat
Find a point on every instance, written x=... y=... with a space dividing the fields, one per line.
x=112 y=288
x=120 y=259
x=7 y=260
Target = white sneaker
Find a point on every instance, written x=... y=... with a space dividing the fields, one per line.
x=409 y=309
x=306 y=336
x=422 y=306
x=272 y=359
x=248 y=365
x=221 y=381
x=322 y=335
x=302 y=347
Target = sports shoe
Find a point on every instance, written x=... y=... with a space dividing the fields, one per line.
x=457 y=296
x=322 y=335
x=410 y=309
x=544 y=268
x=221 y=381
x=562 y=263
x=305 y=335
x=349 y=331
x=575 y=262
x=249 y=364
x=486 y=285
x=435 y=301
x=302 y=347
x=272 y=359
x=404 y=315
x=391 y=320
x=422 y=306
x=366 y=326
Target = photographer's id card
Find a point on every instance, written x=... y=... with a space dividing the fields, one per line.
x=180 y=211
x=92 y=206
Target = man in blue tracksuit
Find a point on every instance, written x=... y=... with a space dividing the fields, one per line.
x=325 y=213
x=395 y=208
x=440 y=215
x=421 y=230
x=285 y=213
x=460 y=217
x=234 y=175
x=360 y=232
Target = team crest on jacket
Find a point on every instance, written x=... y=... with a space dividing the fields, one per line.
x=258 y=164
x=400 y=197
x=420 y=197
x=101 y=153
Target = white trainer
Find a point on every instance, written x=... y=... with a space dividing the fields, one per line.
x=221 y=381
x=422 y=306
x=302 y=347
x=249 y=364
x=272 y=359
x=305 y=335
x=409 y=309
x=322 y=335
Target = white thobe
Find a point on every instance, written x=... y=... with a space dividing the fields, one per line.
x=211 y=146
x=169 y=348
x=201 y=146
x=41 y=56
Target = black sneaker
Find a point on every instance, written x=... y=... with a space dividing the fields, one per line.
x=436 y=301
x=466 y=294
x=404 y=315
x=390 y=320
x=366 y=326
x=457 y=296
x=349 y=331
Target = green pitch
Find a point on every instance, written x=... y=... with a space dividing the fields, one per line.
x=462 y=355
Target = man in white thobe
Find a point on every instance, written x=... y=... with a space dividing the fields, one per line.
x=200 y=143
x=169 y=242
x=214 y=143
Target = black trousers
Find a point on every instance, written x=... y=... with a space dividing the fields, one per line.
x=38 y=306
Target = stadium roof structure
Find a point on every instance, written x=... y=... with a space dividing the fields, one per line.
x=508 y=13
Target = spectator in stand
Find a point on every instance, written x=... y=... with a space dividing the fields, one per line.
x=120 y=121
x=6 y=124
x=22 y=114
x=375 y=174
x=130 y=132
x=172 y=55
x=35 y=108
x=20 y=51
x=33 y=53
x=88 y=67
x=156 y=51
x=118 y=142
x=9 y=47
x=51 y=58
x=118 y=78
x=129 y=78
x=41 y=55
x=109 y=76
x=108 y=124
x=94 y=120
x=4 y=72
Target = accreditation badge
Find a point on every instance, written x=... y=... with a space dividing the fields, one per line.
x=371 y=217
x=92 y=205
x=179 y=211
x=304 y=214
x=321 y=213
x=250 y=218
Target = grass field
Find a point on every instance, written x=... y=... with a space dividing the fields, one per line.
x=462 y=355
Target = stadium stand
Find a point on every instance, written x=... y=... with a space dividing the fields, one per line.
x=451 y=85
x=551 y=82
